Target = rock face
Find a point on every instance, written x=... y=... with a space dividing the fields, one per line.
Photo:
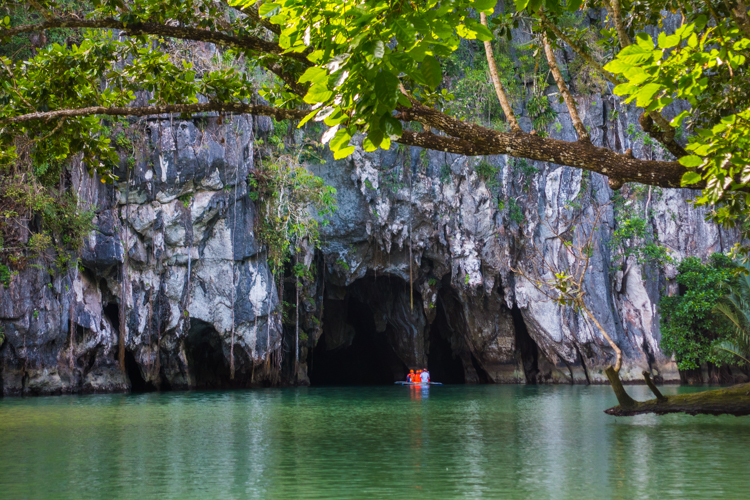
x=416 y=269
x=173 y=265
x=465 y=237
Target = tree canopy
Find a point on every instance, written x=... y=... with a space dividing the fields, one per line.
x=373 y=66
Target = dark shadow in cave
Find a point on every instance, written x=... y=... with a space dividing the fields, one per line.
x=369 y=360
x=444 y=365
x=137 y=382
x=526 y=346
x=203 y=348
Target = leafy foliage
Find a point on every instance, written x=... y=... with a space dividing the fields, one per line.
x=735 y=307
x=288 y=199
x=633 y=236
x=704 y=62
x=690 y=327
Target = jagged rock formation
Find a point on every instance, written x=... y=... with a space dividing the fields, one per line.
x=464 y=246
x=196 y=286
x=180 y=224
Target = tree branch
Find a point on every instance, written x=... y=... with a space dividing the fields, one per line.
x=579 y=154
x=226 y=107
x=186 y=33
x=499 y=90
x=666 y=133
x=251 y=12
x=578 y=49
x=583 y=134
x=44 y=12
x=616 y=14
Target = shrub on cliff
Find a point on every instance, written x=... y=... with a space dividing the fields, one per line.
x=690 y=326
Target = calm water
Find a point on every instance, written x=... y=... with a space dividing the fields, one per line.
x=366 y=442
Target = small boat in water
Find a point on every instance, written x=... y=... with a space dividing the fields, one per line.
x=401 y=382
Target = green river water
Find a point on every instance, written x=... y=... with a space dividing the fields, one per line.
x=366 y=442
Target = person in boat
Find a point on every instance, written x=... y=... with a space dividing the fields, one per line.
x=425 y=377
x=410 y=377
x=418 y=377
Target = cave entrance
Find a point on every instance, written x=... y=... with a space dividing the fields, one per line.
x=526 y=347
x=133 y=371
x=351 y=351
x=208 y=366
x=443 y=362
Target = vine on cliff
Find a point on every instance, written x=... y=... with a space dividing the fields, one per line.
x=288 y=198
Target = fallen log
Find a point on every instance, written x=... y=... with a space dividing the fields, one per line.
x=733 y=400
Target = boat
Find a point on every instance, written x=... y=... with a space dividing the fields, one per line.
x=401 y=382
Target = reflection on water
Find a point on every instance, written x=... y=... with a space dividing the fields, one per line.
x=355 y=442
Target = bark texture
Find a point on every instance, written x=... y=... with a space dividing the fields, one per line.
x=733 y=400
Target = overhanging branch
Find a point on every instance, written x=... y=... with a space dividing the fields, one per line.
x=483 y=141
x=224 y=107
x=245 y=42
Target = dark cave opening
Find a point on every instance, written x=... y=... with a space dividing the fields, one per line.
x=208 y=366
x=133 y=371
x=112 y=312
x=526 y=347
x=368 y=360
x=442 y=362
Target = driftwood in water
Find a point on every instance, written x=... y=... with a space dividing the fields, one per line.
x=733 y=400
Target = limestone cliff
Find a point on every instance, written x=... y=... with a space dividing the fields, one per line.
x=174 y=267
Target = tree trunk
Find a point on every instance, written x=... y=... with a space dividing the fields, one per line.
x=733 y=400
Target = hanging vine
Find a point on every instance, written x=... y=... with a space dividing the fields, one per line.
x=291 y=204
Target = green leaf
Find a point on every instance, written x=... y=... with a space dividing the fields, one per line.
x=690 y=178
x=386 y=84
x=317 y=93
x=644 y=41
x=478 y=31
x=343 y=153
x=405 y=32
x=691 y=161
x=677 y=120
x=314 y=75
x=391 y=126
x=534 y=5
x=431 y=72
x=267 y=8
x=419 y=52
x=574 y=5
x=646 y=94
x=617 y=66
x=666 y=42
x=340 y=140
x=375 y=136
x=307 y=118
x=486 y=6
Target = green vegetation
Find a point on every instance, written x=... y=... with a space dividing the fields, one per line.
x=705 y=63
x=691 y=329
x=633 y=236
x=286 y=193
x=735 y=308
x=541 y=113
x=488 y=173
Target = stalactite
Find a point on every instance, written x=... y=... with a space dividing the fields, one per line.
x=71 y=327
x=411 y=258
x=157 y=367
x=124 y=284
x=234 y=225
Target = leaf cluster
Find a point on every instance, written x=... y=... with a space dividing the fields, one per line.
x=690 y=326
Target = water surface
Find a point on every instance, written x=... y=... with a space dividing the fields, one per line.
x=366 y=442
